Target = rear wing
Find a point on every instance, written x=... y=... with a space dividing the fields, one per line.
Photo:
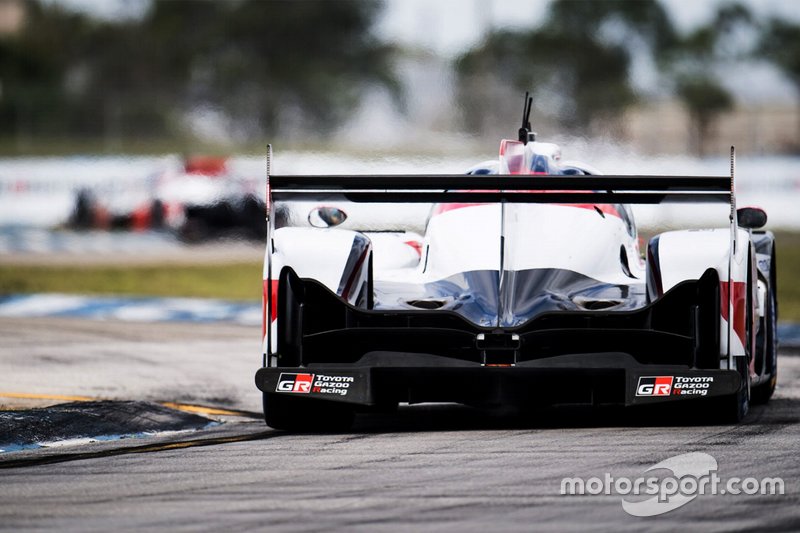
x=504 y=188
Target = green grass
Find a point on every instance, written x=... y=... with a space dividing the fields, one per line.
x=243 y=281
x=788 y=256
x=228 y=281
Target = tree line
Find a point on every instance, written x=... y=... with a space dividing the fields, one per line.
x=266 y=68
x=579 y=60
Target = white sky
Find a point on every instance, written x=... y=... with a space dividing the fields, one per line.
x=449 y=27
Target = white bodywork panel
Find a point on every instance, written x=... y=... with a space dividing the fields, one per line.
x=687 y=254
x=320 y=254
x=566 y=237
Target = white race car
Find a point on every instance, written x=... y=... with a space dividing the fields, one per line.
x=527 y=286
x=201 y=199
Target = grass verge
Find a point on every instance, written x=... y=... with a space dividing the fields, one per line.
x=238 y=281
x=788 y=256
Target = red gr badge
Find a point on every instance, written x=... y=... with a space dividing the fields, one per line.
x=654 y=386
x=295 y=383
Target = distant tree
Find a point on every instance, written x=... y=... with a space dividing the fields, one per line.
x=34 y=67
x=689 y=62
x=577 y=62
x=613 y=20
x=269 y=67
x=780 y=44
x=705 y=100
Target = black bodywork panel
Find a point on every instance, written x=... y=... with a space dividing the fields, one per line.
x=317 y=327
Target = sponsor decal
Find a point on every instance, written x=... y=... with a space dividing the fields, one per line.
x=325 y=384
x=692 y=386
x=314 y=383
x=674 y=385
x=300 y=383
x=654 y=386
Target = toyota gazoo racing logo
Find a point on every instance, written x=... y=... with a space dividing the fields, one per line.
x=339 y=385
x=300 y=383
x=306 y=383
x=673 y=385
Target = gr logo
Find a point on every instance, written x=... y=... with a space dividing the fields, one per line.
x=295 y=383
x=654 y=386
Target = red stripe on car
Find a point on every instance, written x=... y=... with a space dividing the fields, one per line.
x=739 y=307
x=273 y=284
x=606 y=209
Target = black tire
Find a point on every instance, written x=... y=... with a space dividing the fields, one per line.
x=734 y=408
x=253 y=218
x=303 y=414
x=83 y=214
x=730 y=409
x=194 y=230
x=763 y=392
x=157 y=215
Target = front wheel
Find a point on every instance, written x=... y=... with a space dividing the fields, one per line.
x=302 y=414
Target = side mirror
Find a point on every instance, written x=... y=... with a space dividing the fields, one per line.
x=326 y=217
x=751 y=217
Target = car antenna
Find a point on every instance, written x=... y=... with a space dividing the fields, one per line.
x=525 y=133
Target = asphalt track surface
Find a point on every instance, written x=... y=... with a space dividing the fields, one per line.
x=437 y=468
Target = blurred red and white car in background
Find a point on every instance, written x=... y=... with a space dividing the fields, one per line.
x=201 y=199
